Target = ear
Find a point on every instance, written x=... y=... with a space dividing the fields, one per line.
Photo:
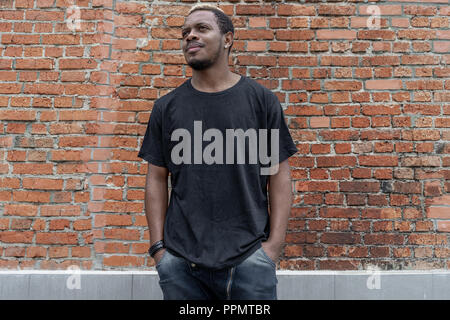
x=228 y=39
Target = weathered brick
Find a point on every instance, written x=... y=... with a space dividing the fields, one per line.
x=367 y=109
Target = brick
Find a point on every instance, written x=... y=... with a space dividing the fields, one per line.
x=442 y=200
x=60 y=210
x=407 y=187
x=123 y=234
x=288 y=10
x=58 y=252
x=293 y=251
x=347 y=186
x=383 y=84
x=358 y=252
x=424 y=85
x=339 y=264
x=338 y=61
x=56 y=238
x=301 y=237
x=381 y=110
x=313 y=251
x=343 y=85
x=380 y=135
x=112 y=220
x=81 y=252
x=20 y=210
x=18 y=252
x=16 y=236
x=340 y=238
x=42 y=15
x=381 y=213
x=378 y=161
x=294 y=34
x=77 y=64
x=319 y=122
x=123 y=261
x=376 y=35
x=329 y=9
x=427 y=239
x=17 y=39
x=42 y=183
x=443 y=226
x=34 y=64
x=31 y=196
x=384 y=239
x=384 y=10
x=421 y=161
x=339 y=212
x=9 y=88
x=312 y=186
x=438 y=212
x=416 y=34
x=36 y=252
x=59 y=224
x=337 y=161
x=335 y=34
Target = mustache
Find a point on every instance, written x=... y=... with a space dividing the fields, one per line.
x=193 y=44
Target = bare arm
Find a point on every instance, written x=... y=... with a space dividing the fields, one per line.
x=280 y=198
x=156 y=198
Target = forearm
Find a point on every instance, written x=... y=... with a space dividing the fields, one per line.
x=156 y=198
x=280 y=199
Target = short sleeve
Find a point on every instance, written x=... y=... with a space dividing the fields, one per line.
x=152 y=144
x=276 y=120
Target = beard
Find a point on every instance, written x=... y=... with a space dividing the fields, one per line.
x=198 y=64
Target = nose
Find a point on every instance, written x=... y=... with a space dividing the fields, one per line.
x=191 y=35
x=189 y=38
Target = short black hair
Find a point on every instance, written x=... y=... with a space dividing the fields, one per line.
x=223 y=21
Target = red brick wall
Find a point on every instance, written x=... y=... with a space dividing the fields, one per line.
x=368 y=107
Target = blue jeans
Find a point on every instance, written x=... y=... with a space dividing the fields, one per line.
x=253 y=279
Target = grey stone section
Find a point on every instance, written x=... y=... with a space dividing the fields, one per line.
x=146 y=287
x=440 y=289
x=292 y=285
x=14 y=286
x=382 y=286
x=305 y=287
x=91 y=287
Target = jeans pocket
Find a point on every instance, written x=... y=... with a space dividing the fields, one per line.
x=266 y=256
x=162 y=258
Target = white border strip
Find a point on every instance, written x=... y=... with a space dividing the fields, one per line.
x=279 y=272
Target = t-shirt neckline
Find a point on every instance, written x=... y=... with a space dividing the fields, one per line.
x=203 y=93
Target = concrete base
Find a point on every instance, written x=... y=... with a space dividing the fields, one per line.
x=292 y=285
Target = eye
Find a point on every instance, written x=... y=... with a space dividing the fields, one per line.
x=183 y=33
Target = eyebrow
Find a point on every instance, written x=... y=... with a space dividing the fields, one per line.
x=197 y=24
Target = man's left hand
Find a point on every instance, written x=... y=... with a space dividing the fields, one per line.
x=273 y=250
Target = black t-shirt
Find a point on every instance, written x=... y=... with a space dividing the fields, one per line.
x=218 y=210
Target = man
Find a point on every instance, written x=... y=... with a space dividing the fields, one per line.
x=216 y=238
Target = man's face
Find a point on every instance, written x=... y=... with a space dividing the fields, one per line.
x=201 y=30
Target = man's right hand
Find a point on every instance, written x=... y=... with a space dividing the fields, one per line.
x=159 y=255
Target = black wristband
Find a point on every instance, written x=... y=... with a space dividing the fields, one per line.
x=158 y=245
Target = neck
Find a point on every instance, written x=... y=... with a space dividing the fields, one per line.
x=213 y=79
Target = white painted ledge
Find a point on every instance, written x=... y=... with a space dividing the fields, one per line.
x=292 y=285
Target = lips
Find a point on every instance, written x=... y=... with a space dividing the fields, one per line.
x=193 y=47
